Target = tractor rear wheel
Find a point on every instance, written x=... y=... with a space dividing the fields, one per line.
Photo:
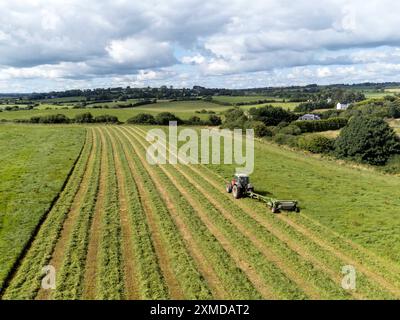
x=229 y=188
x=237 y=192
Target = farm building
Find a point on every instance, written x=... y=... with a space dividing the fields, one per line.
x=342 y=106
x=310 y=117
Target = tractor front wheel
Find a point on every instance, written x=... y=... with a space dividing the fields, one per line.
x=236 y=192
x=229 y=188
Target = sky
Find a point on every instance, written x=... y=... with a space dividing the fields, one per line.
x=50 y=45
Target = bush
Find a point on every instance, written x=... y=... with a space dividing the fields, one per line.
x=86 y=117
x=260 y=129
x=367 y=140
x=291 y=129
x=106 y=118
x=142 y=118
x=314 y=105
x=316 y=143
x=234 y=119
x=331 y=114
x=393 y=165
x=54 y=118
x=194 y=120
x=164 y=118
x=271 y=116
x=286 y=139
x=321 y=125
x=214 y=120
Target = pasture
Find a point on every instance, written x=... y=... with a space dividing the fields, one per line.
x=35 y=161
x=183 y=109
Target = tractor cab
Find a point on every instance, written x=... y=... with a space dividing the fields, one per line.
x=242 y=180
x=240 y=186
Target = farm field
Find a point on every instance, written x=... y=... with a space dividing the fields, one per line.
x=184 y=110
x=237 y=99
x=35 y=161
x=123 y=229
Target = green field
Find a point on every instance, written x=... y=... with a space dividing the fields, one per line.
x=35 y=161
x=393 y=90
x=237 y=99
x=376 y=94
x=183 y=109
x=124 y=229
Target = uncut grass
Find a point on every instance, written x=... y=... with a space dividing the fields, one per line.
x=35 y=161
x=69 y=283
x=234 y=280
x=192 y=283
x=151 y=284
x=110 y=280
x=26 y=282
x=283 y=287
x=369 y=289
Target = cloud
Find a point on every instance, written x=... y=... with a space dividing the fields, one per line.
x=91 y=42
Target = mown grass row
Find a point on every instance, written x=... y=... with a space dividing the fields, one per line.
x=190 y=280
x=27 y=280
x=326 y=287
x=365 y=286
x=69 y=283
x=151 y=284
x=361 y=256
x=282 y=286
x=233 y=279
x=369 y=289
x=110 y=280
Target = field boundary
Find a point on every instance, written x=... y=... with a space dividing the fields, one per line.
x=28 y=244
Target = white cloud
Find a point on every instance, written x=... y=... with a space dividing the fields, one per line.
x=197 y=59
x=88 y=42
x=141 y=52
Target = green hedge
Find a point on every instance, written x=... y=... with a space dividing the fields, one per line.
x=321 y=125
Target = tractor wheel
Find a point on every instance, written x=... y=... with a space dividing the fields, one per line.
x=229 y=188
x=297 y=210
x=236 y=192
x=274 y=210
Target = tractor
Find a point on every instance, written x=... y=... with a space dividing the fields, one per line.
x=240 y=187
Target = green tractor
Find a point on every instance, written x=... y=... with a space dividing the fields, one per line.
x=241 y=187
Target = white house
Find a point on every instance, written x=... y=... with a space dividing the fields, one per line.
x=342 y=106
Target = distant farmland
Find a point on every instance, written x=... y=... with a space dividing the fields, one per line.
x=183 y=109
